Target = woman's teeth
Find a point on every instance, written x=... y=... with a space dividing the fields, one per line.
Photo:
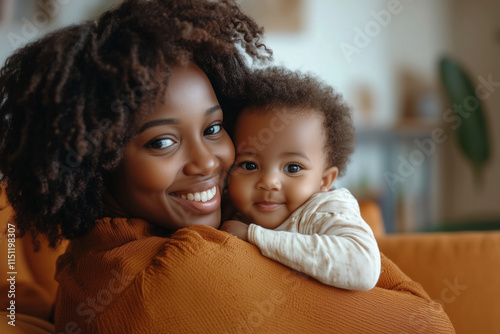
x=201 y=196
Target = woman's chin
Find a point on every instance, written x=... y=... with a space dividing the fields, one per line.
x=212 y=220
x=162 y=228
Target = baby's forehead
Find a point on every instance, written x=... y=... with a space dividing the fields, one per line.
x=274 y=114
x=276 y=118
x=279 y=130
x=280 y=108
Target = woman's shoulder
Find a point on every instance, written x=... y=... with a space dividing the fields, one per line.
x=130 y=246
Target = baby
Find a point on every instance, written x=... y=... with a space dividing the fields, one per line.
x=293 y=138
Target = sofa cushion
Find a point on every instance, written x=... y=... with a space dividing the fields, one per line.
x=460 y=270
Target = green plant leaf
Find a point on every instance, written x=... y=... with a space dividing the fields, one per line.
x=472 y=134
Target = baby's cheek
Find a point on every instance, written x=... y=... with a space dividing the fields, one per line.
x=239 y=191
x=296 y=198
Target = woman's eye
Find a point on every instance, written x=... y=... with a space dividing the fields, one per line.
x=160 y=144
x=248 y=165
x=293 y=168
x=212 y=130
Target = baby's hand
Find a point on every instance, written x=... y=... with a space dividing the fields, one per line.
x=236 y=228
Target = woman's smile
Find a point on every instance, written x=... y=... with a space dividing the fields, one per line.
x=204 y=202
x=203 y=196
x=203 y=199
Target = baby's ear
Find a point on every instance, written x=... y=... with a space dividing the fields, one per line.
x=329 y=175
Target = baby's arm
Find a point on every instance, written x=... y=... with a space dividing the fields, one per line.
x=331 y=243
x=236 y=228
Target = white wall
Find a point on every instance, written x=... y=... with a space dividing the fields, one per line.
x=413 y=37
x=318 y=49
x=36 y=21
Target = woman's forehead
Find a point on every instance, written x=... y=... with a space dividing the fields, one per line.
x=189 y=93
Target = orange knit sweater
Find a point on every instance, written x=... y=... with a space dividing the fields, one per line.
x=121 y=279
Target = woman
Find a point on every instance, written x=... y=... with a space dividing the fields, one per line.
x=112 y=137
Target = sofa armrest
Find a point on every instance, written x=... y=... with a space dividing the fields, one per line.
x=372 y=215
x=460 y=270
x=35 y=284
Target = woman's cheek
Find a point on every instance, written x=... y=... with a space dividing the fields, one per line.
x=152 y=173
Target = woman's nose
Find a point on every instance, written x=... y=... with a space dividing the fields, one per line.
x=201 y=160
x=269 y=181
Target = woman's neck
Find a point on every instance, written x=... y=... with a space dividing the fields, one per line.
x=111 y=207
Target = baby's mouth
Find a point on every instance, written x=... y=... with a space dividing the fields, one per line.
x=202 y=196
x=268 y=206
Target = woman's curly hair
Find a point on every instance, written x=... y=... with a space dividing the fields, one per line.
x=69 y=100
x=272 y=88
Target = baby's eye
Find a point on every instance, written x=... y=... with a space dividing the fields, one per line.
x=248 y=165
x=212 y=130
x=160 y=144
x=293 y=168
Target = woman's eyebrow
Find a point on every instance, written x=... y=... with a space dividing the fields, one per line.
x=167 y=121
x=157 y=122
x=212 y=109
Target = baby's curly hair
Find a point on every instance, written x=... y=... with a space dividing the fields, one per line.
x=68 y=100
x=274 y=88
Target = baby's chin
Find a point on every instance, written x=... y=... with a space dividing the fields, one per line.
x=268 y=222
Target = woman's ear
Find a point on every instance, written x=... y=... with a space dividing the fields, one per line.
x=329 y=175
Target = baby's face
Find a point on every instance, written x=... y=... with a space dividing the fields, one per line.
x=280 y=163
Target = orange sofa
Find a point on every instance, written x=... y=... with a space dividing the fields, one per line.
x=459 y=270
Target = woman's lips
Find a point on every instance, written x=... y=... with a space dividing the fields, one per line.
x=203 y=202
x=267 y=206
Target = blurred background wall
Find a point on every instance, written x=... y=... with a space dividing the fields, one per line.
x=383 y=57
